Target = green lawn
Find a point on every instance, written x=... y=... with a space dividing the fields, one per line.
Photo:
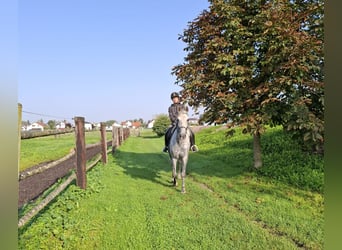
x=130 y=203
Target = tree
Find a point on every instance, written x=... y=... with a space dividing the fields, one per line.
x=110 y=123
x=161 y=123
x=51 y=124
x=141 y=120
x=255 y=63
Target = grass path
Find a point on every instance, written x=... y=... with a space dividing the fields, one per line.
x=130 y=204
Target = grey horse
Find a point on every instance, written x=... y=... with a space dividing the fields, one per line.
x=179 y=147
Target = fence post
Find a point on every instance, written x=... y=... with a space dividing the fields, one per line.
x=119 y=136
x=114 y=139
x=81 y=172
x=128 y=132
x=20 y=108
x=103 y=143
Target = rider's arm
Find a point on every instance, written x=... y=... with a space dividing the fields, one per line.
x=173 y=114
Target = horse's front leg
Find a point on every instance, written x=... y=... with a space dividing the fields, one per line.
x=174 y=171
x=184 y=163
x=179 y=175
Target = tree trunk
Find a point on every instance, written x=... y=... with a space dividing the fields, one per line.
x=257 y=150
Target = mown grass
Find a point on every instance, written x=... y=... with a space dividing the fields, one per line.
x=44 y=149
x=130 y=204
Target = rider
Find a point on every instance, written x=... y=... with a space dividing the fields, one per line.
x=175 y=97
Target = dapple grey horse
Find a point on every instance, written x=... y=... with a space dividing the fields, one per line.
x=179 y=147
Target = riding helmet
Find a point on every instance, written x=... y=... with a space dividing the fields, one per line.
x=174 y=94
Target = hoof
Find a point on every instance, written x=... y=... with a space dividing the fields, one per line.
x=175 y=182
x=183 y=192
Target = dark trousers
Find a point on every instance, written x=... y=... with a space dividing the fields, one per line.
x=170 y=131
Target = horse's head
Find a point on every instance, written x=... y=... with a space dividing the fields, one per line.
x=182 y=122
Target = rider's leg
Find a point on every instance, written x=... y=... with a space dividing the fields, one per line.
x=167 y=138
x=193 y=146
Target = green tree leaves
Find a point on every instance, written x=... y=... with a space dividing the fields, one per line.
x=254 y=63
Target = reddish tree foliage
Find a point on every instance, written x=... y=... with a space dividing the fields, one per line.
x=257 y=63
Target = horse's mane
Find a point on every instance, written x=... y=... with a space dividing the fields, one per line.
x=182 y=110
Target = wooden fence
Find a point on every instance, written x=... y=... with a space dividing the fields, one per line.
x=32 y=134
x=33 y=182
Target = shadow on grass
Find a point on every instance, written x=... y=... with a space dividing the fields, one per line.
x=220 y=162
x=150 y=137
x=148 y=166
x=226 y=161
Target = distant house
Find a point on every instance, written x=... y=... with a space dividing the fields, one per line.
x=63 y=125
x=126 y=124
x=24 y=125
x=60 y=126
x=88 y=126
x=36 y=126
x=97 y=126
x=116 y=125
x=109 y=128
x=193 y=121
x=150 y=124
x=136 y=124
x=129 y=124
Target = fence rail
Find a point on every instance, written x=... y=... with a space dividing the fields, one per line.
x=49 y=174
x=34 y=182
x=32 y=134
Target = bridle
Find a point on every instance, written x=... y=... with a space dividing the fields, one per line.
x=180 y=127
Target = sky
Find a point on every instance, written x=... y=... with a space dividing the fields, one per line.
x=100 y=59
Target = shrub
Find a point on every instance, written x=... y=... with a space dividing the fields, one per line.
x=162 y=122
